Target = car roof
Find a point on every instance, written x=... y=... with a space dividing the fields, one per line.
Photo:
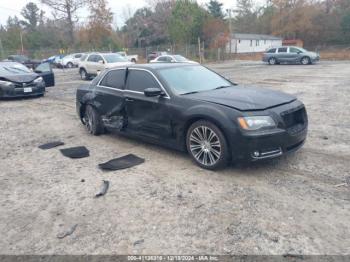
x=157 y=66
x=9 y=63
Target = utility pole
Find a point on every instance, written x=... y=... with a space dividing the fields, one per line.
x=230 y=28
x=20 y=34
x=1 y=50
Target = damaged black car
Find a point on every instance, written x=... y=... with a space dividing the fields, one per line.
x=189 y=107
x=16 y=80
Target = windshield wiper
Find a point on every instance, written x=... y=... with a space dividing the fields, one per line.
x=193 y=92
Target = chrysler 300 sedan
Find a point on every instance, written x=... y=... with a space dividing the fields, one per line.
x=189 y=107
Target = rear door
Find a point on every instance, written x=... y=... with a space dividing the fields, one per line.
x=147 y=116
x=109 y=97
x=282 y=54
x=45 y=71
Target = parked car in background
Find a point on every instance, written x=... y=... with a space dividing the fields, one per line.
x=290 y=54
x=189 y=107
x=131 y=58
x=30 y=63
x=53 y=60
x=154 y=55
x=71 y=60
x=17 y=80
x=172 y=59
x=94 y=63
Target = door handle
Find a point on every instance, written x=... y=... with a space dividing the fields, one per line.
x=129 y=100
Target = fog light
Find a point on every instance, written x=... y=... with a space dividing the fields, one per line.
x=256 y=153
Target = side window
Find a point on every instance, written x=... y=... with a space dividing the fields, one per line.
x=98 y=58
x=140 y=80
x=273 y=50
x=91 y=58
x=114 y=79
x=282 y=50
x=293 y=50
x=169 y=59
x=162 y=59
x=77 y=56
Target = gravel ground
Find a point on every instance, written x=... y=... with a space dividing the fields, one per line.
x=298 y=204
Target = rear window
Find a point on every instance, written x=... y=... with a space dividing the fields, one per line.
x=114 y=79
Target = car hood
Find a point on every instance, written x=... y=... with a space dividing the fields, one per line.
x=244 y=98
x=110 y=65
x=20 y=78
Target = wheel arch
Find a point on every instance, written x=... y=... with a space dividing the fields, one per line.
x=211 y=119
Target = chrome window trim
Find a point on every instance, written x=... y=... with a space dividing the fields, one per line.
x=131 y=91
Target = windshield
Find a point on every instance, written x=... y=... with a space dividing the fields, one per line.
x=189 y=79
x=14 y=69
x=113 y=58
x=180 y=58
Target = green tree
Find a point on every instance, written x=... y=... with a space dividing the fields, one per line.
x=215 y=9
x=31 y=15
x=186 y=21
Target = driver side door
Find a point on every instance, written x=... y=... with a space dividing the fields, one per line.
x=147 y=116
x=45 y=71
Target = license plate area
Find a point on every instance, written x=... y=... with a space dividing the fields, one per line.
x=27 y=90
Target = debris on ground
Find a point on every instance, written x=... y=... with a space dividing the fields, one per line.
x=51 y=145
x=75 y=152
x=138 y=242
x=122 y=162
x=68 y=232
x=104 y=188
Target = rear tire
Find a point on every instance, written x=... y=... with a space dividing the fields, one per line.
x=92 y=121
x=207 y=145
x=272 y=61
x=70 y=65
x=133 y=60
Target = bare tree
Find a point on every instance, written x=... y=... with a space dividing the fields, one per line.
x=66 y=9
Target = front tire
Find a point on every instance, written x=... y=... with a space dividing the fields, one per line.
x=83 y=74
x=305 y=60
x=272 y=61
x=92 y=121
x=207 y=145
x=70 y=65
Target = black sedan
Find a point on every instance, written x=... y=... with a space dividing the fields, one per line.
x=16 y=80
x=189 y=107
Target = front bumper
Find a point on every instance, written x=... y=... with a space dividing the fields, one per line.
x=269 y=145
x=287 y=137
x=11 y=92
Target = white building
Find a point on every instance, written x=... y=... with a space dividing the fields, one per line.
x=252 y=43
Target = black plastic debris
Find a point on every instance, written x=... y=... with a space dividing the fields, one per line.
x=104 y=189
x=51 y=145
x=75 y=152
x=139 y=242
x=68 y=232
x=122 y=162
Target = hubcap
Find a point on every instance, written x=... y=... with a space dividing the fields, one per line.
x=305 y=61
x=272 y=61
x=205 y=145
x=82 y=74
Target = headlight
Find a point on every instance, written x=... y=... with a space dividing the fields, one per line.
x=5 y=83
x=38 y=80
x=256 y=122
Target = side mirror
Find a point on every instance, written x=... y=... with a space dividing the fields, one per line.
x=153 y=91
x=101 y=62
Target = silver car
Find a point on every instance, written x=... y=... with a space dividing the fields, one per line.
x=290 y=54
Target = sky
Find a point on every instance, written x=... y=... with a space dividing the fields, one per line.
x=119 y=8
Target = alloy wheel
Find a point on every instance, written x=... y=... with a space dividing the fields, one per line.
x=88 y=120
x=205 y=145
x=305 y=61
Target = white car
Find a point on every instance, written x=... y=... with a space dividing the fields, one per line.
x=131 y=58
x=172 y=59
x=94 y=63
x=71 y=60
